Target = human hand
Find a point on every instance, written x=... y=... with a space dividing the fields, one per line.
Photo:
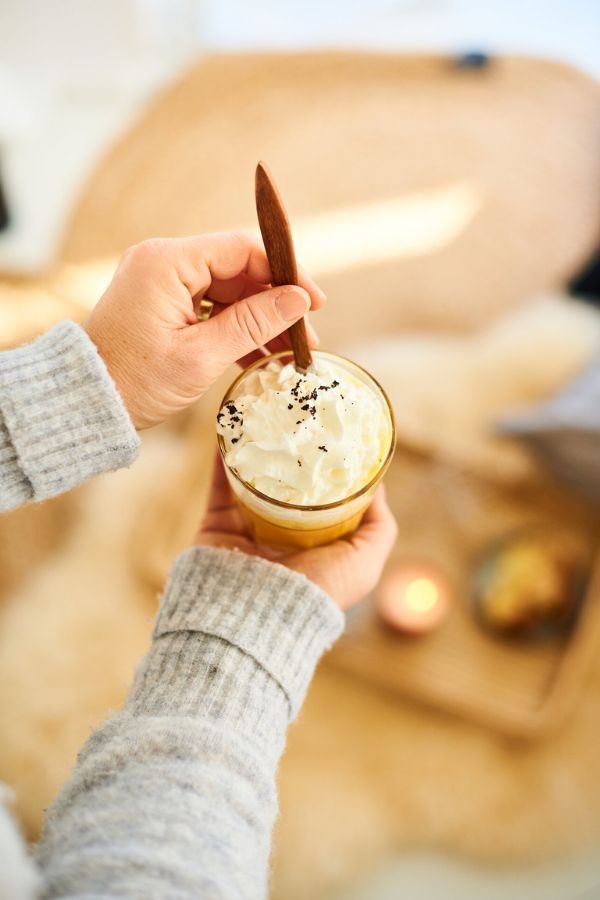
x=146 y=330
x=346 y=569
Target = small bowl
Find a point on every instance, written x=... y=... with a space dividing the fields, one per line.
x=530 y=585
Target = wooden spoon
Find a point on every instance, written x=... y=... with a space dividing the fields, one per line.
x=277 y=238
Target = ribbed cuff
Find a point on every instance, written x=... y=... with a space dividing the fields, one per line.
x=15 y=489
x=194 y=675
x=227 y=620
x=62 y=414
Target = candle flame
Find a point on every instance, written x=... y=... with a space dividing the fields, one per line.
x=421 y=595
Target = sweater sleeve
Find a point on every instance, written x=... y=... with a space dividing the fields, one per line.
x=175 y=796
x=61 y=418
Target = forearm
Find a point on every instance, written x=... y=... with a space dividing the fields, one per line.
x=176 y=796
x=61 y=418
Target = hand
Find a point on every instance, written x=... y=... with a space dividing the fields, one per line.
x=146 y=330
x=346 y=569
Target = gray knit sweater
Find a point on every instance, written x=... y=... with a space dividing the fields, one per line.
x=175 y=796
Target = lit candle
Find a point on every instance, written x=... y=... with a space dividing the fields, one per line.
x=413 y=598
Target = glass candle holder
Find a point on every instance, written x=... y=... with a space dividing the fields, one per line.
x=282 y=524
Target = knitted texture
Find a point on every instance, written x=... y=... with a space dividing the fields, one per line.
x=61 y=418
x=175 y=797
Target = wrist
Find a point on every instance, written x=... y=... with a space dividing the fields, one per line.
x=112 y=352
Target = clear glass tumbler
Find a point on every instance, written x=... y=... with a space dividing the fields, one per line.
x=283 y=524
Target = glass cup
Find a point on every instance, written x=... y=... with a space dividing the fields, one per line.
x=283 y=524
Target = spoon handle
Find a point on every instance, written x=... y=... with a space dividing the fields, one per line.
x=279 y=245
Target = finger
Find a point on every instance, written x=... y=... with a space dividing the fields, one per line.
x=220 y=496
x=222 y=514
x=241 y=328
x=225 y=255
x=377 y=532
x=378 y=508
x=311 y=334
x=233 y=289
x=280 y=343
x=222 y=256
x=318 y=295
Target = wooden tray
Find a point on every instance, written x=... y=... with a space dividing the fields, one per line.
x=518 y=689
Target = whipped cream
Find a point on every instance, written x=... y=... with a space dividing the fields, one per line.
x=305 y=439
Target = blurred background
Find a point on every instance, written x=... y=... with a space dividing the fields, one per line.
x=439 y=161
x=73 y=80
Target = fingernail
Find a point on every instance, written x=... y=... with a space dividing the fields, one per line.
x=313 y=337
x=292 y=303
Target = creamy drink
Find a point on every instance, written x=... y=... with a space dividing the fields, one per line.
x=304 y=453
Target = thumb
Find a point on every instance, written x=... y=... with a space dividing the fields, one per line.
x=247 y=324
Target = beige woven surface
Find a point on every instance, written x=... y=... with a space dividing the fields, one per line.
x=365 y=773
x=348 y=129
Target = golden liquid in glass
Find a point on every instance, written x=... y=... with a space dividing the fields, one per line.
x=277 y=535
